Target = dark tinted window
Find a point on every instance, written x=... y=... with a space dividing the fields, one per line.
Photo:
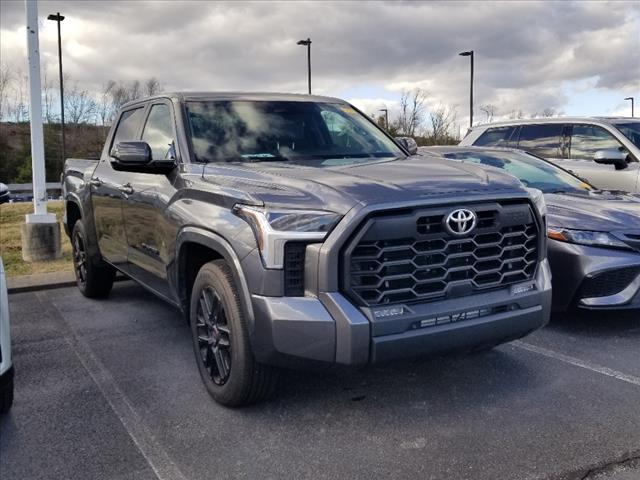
x=128 y=126
x=495 y=137
x=630 y=130
x=543 y=140
x=586 y=140
x=158 y=133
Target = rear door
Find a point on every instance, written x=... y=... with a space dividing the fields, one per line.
x=145 y=206
x=544 y=140
x=108 y=189
x=586 y=140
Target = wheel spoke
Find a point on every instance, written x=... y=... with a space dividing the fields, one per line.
x=220 y=364
x=202 y=340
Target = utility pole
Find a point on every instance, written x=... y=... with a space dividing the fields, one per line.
x=307 y=42
x=470 y=54
x=59 y=18
x=632 y=102
x=41 y=231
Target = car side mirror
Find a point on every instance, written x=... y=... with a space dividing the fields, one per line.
x=131 y=154
x=611 y=156
x=409 y=144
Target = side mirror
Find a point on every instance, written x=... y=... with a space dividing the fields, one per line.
x=611 y=156
x=409 y=144
x=131 y=154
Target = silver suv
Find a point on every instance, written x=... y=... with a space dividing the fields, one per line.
x=604 y=151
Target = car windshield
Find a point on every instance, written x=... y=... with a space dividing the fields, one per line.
x=284 y=131
x=630 y=130
x=533 y=172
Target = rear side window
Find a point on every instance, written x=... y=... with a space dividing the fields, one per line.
x=586 y=140
x=495 y=137
x=128 y=126
x=543 y=140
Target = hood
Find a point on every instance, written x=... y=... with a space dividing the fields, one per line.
x=598 y=210
x=340 y=187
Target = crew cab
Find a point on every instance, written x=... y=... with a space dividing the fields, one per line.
x=292 y=231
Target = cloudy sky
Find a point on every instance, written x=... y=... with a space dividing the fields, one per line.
x=580 y=58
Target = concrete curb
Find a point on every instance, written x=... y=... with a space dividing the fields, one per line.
x=44 y=281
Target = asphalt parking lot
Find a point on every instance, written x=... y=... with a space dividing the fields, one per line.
x=109 y=390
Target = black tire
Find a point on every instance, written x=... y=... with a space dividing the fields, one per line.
x=94 y=277
x=6 y=395
x=221 y=345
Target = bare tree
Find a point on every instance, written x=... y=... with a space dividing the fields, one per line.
x=412 y=111
x=20 y=106
x=548 y=112
x=79 y=105
x=441 y=120
x=152 y=86
x=516 y=114
x=6 y=77
x=48 y=97
x=490 y=110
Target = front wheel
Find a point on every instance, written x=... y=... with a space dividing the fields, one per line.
x=223 y=353
x=93 y=277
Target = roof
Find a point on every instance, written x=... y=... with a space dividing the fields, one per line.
x=248 y=96
x=523 y=121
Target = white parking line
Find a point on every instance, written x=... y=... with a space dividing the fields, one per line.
x=578 y=363
x=149 y=447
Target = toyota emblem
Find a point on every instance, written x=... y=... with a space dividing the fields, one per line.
x=460 y=222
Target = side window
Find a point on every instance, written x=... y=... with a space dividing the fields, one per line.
x=586 y=140
x=495 y=137
x=543 y=140
x=128 y=125
x=158 y=132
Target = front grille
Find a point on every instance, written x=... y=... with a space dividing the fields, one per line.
x=294 y=255
x=412 y=258
x=609 y=282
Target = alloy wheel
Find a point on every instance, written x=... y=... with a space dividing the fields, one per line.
x=214 y=340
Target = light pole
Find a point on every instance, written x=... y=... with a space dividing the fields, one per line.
x=59 y=18
x=470 y=54
x=632 y=113
x=307 y=43
x=386 y=118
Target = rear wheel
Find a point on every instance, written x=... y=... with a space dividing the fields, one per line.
x=93 y=276
x=223 y=353
x=6 y=392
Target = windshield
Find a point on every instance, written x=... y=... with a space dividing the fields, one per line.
x=253 y=131
x=630 y=130
x=531 y=171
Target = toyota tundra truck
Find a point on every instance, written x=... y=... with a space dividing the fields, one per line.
x=291 y=231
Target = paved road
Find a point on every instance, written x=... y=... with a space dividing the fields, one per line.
x=109 y=390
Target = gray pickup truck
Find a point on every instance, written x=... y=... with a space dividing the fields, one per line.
x=292 y=231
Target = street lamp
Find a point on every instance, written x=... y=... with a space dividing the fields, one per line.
x=631 y=98
x=307 y=43
x=470 y=54
x=59 y=18
x=386 y=118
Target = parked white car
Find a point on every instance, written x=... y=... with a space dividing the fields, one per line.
x=6 y=366
x=604 y=151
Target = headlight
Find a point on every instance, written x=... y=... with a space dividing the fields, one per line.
x=538 y=199
x=274 y=228
x=585 y=237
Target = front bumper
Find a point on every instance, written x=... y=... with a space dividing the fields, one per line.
x=572 y=265
x=330 y=329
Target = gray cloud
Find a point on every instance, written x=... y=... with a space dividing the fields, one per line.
x=525 y=51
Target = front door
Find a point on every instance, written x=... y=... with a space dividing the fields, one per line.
x=145 y=206
x=108 y=189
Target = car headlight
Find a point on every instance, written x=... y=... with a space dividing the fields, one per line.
x=275 y=227
x=585 y=237
x=538 y=199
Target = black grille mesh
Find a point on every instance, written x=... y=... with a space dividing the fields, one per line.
x=609 y=282
x=294 y=254
x=433 y=264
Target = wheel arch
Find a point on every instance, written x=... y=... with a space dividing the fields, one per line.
x=194 y=248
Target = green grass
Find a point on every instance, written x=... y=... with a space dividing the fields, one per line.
x=12 y=216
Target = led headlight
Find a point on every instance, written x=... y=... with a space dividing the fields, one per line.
x=274 y=228
x=585 y=237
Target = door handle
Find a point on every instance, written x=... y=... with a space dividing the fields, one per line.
x=95 y=182
x=127 y=189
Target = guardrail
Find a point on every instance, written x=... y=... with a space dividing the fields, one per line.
x=28 y=187
x=23 y=192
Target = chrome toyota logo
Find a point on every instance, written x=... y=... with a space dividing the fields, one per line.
x=460 y=222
